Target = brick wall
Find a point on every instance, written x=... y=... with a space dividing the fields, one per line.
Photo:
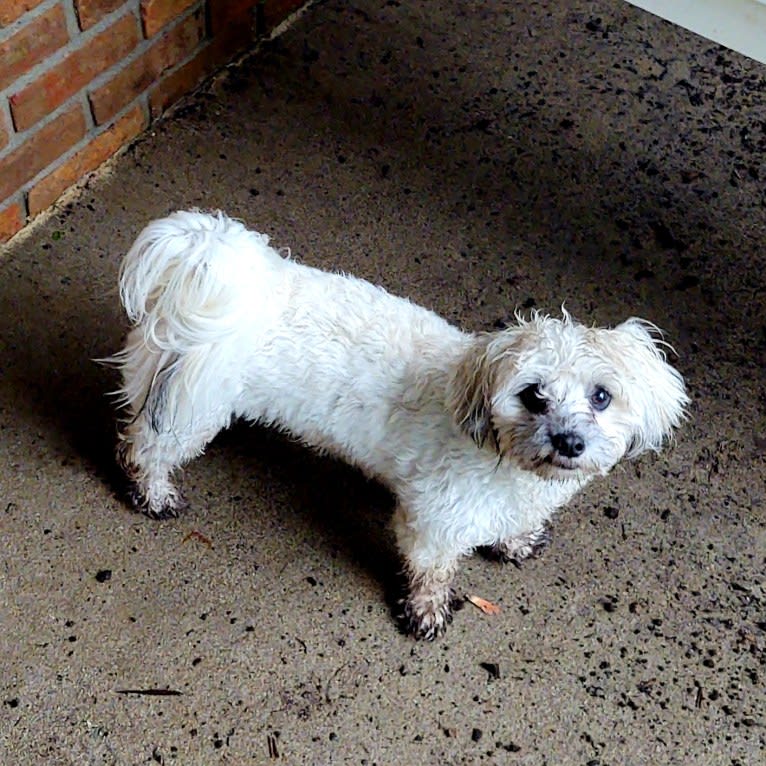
x=81 y=78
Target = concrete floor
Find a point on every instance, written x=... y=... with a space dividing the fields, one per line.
x=475 y=157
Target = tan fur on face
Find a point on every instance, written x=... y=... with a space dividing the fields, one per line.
x=490 y=357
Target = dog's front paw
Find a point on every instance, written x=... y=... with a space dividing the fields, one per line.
x=428 y=608
x=516 y=549
x=426 y=621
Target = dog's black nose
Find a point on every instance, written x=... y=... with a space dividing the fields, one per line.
x=568 y=444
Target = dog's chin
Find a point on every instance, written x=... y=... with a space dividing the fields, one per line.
x=561 y=469
x=554 y=467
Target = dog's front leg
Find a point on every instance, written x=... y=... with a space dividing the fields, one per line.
x=430 y=565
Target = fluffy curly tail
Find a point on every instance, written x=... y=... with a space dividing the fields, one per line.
x=190 y=277
x=190 y=284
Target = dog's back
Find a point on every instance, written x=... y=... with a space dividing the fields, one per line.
x=224 y=327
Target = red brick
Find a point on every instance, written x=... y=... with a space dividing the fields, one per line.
x=140 y=74
x=49 y=189
x=157 y=13
x=40 y=150
x=10 y=10
x=31 y=44
x=53 y=88
x=227 y=14
x=233 y=28
x=232 y=17
x=11 y=221
x=3 y=133
x=180 y=82
x=187 y=77
x=276 y=11
x=90 y=12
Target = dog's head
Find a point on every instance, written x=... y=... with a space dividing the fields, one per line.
x=562 y=399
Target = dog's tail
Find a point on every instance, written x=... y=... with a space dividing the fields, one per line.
x=190 y=283
x=193 y=278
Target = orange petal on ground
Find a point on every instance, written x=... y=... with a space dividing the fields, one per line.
x=486 y=606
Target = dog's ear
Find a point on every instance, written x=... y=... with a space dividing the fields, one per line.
x=657 y=392
x=470 y=390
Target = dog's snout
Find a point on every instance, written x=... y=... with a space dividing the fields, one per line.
x=568 y=444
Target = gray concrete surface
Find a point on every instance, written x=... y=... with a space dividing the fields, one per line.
x=475 y=157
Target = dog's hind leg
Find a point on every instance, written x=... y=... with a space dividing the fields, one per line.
x=148 y=468
x=149 y=459
x=170 y=429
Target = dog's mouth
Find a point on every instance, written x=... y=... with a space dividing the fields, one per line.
x=559 y=462
x=552 y=465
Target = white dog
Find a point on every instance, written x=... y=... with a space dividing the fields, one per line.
x=481 y=437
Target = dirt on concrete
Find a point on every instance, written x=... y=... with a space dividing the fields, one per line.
x=476 y=158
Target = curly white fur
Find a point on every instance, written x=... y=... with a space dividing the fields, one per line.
x=480 y=437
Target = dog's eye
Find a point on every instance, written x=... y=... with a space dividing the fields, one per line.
x=600 y=399
x=533 y=400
